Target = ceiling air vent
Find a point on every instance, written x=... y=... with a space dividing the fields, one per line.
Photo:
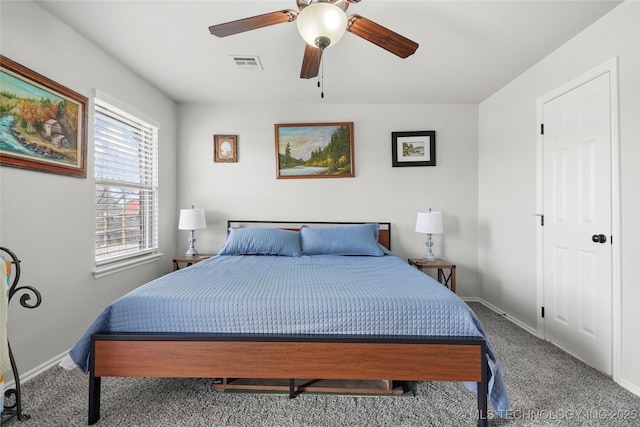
x=247 y=62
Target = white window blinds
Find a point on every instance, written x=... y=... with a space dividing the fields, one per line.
x=126 y=184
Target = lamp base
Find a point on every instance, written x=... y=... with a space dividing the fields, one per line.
x=429 y=256
x=192 y=245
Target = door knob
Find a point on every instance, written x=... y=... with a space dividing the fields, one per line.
x=599 y=238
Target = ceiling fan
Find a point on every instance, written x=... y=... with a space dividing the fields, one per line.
x=322 y=23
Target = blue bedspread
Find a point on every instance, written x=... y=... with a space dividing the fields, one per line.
x=320 y=294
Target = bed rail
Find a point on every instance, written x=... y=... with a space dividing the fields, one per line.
x=288 y=356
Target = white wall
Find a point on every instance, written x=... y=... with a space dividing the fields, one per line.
x=48 y=220
x=507 y=171
x=379 y=192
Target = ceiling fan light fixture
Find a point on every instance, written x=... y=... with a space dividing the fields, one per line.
x=322 y=24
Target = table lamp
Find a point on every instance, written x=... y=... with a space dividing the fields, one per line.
x=429 y=223
x=192 y=220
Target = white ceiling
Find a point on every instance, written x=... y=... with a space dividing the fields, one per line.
x=468 y=49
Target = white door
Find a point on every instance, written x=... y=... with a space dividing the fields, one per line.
x=577 y=222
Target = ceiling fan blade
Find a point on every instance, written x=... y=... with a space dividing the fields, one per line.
x=381 y=36
x=310 y=62
x=252 y=23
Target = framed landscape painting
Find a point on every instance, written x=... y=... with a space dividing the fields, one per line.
x=43 y=125
x=417 y=148
x=314 y=150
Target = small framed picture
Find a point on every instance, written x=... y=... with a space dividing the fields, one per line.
x=225 y=148
x=417 y=148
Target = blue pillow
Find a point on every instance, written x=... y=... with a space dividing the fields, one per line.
x=347 y=240
x=262 y=241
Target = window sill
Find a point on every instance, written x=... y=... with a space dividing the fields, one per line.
x=118 y=266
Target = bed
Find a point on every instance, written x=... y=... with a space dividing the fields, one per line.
x=287 y=300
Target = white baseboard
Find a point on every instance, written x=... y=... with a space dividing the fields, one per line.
x=631 y=387
x=25 y=377
x=502 y=313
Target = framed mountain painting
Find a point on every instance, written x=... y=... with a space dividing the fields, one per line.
x=314 y=150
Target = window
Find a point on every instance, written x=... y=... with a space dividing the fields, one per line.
x=126 y=184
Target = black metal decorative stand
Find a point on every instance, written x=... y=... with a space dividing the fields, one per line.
x=14 y=394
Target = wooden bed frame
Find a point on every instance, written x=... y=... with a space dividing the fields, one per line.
x=339 y=357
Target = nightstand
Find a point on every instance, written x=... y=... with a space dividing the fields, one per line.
x=447 y=280
x=188 y=260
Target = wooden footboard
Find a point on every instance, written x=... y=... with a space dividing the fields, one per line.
x=265 y=356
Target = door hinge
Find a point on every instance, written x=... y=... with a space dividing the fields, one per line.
x=541 y=128
x=542 y=311
x=541 y=219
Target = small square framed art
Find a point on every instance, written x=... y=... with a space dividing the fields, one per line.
x=415 y=148
x=225 y=148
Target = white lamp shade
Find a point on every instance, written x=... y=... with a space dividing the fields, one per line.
x=429 y=223
x=192 y=219
x=322 y=20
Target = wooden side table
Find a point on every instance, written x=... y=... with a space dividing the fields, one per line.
x=448 y=280
x=189 y=260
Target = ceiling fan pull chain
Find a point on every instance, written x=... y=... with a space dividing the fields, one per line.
x=322 y=79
